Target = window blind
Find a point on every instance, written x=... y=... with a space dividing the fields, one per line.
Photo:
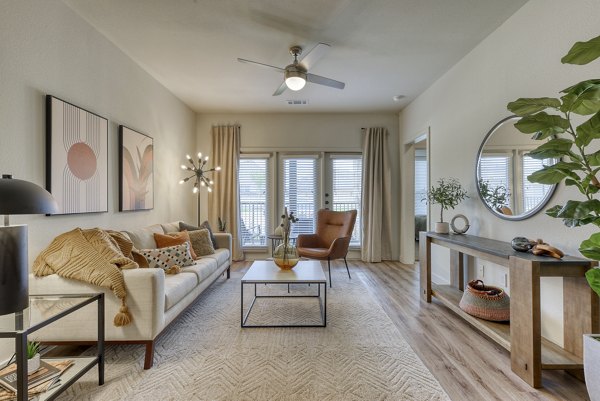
x=347 y=189
x=253 y=182
x=497 y=170
x=300 y=191
x=533 y=193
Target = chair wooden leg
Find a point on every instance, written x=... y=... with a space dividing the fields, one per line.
x=329 y=268
x=348 y=270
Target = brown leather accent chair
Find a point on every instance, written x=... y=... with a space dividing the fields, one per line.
x=331 y=241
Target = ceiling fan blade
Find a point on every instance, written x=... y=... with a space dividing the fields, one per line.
x=243 y=60
x=317 y=79
x=314 y=55
x=281 y=89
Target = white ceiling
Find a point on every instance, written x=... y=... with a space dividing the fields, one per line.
x=380 y=48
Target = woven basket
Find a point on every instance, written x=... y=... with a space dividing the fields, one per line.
x=485 y=302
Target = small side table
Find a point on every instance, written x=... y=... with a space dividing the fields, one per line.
x=40 y=313
x=277 y=239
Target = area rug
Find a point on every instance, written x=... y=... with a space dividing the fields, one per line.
x=205 y=355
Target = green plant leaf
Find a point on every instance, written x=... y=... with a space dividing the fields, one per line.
x=553 y=174
x=583 y=52
x=582 y=98
x=593 y=158
x=580 y=210
x=542 y=123
x=590 y=248
x=593 y=278
x=588 y=130
x=528 y=106
x=554 y=148
x=553 y=211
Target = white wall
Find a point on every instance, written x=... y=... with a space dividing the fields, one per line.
x=520 y=59
x=47 y=49
x=304 y=132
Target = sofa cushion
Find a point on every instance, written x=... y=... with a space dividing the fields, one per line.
x=165 y=258
x=176 y=238
x=205 y=224
x=201 y=242
x=221 y=256
x=143 y=238
x=178 y=286
x=170 y=227
x=202 y=268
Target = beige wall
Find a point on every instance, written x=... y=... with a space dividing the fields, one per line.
x=304 y=132
x=520 y=59
x=47 y=49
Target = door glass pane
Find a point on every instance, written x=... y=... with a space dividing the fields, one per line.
x=300 y=191
x=347 y=188
x=253 y=181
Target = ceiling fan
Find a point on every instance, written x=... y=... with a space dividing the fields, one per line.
x=296 y=74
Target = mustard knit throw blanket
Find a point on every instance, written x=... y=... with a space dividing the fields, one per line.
x=92 y=256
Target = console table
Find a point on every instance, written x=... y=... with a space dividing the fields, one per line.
x=529 y=351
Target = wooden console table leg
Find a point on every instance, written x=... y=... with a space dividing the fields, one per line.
x=425 y=263
x=525 y=324
x=457 y=269
x=580 y=315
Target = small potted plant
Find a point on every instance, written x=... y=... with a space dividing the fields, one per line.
x=448 y=193
x=222 y=224
x=33 y=356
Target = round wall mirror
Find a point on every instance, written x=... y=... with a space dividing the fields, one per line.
x=502 y=169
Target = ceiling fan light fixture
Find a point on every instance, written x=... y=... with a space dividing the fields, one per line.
x=295 y=79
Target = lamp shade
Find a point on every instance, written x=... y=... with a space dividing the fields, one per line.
x=24 y=197
x=18 y=197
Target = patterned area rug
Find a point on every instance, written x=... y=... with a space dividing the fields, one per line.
x=205 y=355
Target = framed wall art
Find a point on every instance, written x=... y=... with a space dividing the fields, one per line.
x=136 y=170
x=76 y=158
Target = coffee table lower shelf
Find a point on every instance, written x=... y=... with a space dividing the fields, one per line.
x=554 y=357
x=322 y=303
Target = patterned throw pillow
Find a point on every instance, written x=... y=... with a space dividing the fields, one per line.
x=201 y=242
x=184 y=226
x=165 y=258
x=176 y=238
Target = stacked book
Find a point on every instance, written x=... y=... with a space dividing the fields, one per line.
x=45 y=378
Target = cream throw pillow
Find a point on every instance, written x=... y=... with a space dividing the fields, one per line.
x=201 y=242
x=166 y=258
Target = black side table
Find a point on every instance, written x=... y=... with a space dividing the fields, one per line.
x=40 y=313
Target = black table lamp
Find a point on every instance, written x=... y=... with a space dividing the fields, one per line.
x=18 y=197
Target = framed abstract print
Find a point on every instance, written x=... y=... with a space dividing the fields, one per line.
x=76 y=158
x=136 y=170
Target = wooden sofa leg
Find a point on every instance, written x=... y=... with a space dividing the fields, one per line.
x=149 y=359
x=229 y=272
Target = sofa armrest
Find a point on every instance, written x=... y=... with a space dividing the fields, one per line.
x=224 y=240
x=145 y=300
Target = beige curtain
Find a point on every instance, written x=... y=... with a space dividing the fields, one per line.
x=376 y=197
x=224 y=202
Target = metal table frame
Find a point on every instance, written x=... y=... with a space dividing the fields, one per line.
x=322 y=302
x=20 y=335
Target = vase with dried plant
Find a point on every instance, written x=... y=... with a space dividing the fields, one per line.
x=286 y=255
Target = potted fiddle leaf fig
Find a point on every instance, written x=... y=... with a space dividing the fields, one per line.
x=553 y=121
x=448 y=193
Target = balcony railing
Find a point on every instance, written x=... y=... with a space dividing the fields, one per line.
x=254 y=223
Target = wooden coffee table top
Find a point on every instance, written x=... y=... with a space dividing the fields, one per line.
x=266 y=271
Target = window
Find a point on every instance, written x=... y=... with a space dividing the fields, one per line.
x=299 y=191
x=346 y=174
x=533 y=193
x=253 y=181
x=496 y=169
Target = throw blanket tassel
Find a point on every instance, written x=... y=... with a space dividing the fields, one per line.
x=123 y=317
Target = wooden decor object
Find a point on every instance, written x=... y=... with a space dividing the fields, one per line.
x=529 y=351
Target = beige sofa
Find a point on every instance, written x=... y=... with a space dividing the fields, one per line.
x=154 y=298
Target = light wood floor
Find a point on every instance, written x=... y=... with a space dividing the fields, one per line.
x=467 y=364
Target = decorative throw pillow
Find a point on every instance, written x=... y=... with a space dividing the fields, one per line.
x=204 y=225
x=166 y=258
x=201 y=242
x=176 y=238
